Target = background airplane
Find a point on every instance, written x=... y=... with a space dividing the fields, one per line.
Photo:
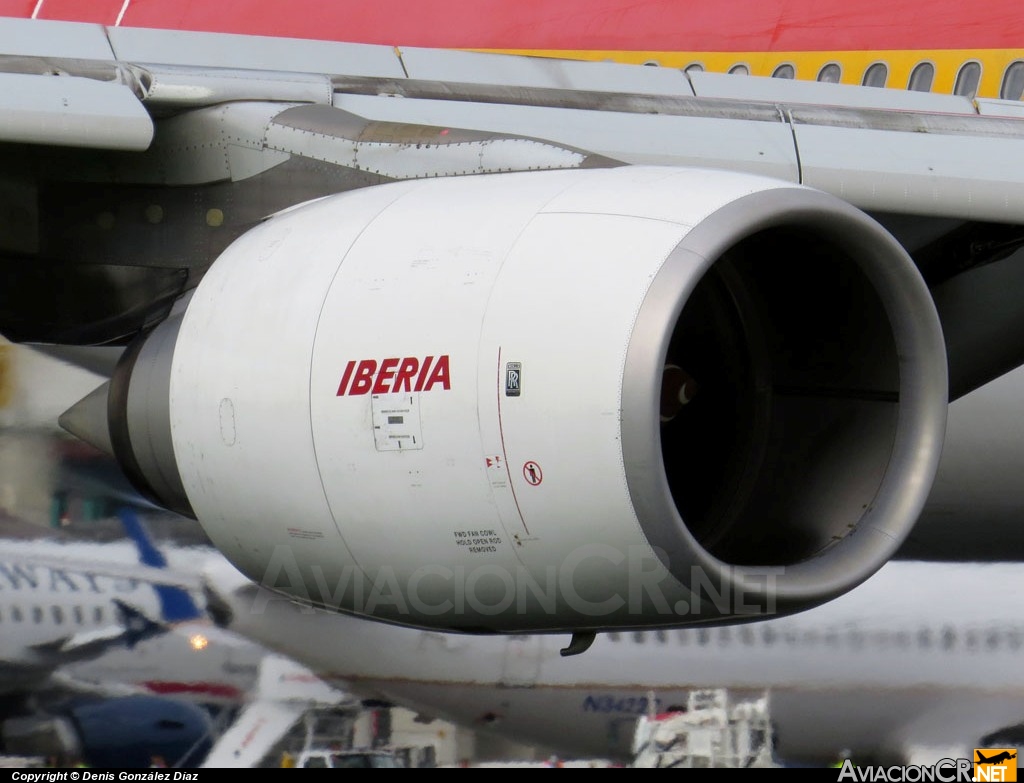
x=917 y=664
x=63 y=602
x=611 y=246
x=66 y=603
x=115 y=663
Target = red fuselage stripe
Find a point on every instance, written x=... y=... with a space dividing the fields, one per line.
x=202 y=689
x=579 y=25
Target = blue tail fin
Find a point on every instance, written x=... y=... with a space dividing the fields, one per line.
x=176 y=605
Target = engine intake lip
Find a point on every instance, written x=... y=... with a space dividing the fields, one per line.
x=827 y=571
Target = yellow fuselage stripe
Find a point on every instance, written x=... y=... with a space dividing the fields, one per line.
x=947 y=63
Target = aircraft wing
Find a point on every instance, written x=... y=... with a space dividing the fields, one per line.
x=285 y=694
x=413 y=112
x=601 y=224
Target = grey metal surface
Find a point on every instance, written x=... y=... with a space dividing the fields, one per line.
x=168 y=86
x=441 y=65
x=87 y=419
x=801 y=91
x=100 y=359
x=138 y=415
x=936 y=165
x=974 y=510
x=73 y=112
x=405 y=151
x=983 y=322
x=44 y=38
x=760 y=146
x=999 y=108
x=221 y=50
x=210 y=144
x=880 y=149
x=939 y=173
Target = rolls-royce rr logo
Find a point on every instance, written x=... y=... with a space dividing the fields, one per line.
x=513 y=378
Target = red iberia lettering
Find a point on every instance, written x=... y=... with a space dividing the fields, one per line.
x=395 y=375
x=387 y=370
x=403 y=381
x=423 y=373
x=363 y=381
x=439 y=374
x=345 y=377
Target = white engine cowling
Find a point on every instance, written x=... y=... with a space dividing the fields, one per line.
x=550 y=401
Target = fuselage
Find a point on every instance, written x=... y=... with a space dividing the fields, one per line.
x=59 y=609
x=944 y=46
x=922 y=655
x=50 y=610
x=195 y=661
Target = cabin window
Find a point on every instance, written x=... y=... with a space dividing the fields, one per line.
x=967 y=80
x=703 y=636
x=58 y=615
x=724 y=635
x=1013 y=82
x=921 y=78
x=97 y=614
x=37 y=614
x=613 y=636
x=16 y=614
x=77 y=611
x=768 y=634
x=924 y=637
x=948 y=638
x=747 y=635
x=639 y=637
x=784 y=71
x=661 y=636
x=830 y=73
x=876 y=75
x=740 y=69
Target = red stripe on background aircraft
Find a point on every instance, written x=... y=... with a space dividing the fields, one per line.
x=722 y=315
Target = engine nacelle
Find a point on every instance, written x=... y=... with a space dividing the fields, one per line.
x=550 y=401
x=118 y=732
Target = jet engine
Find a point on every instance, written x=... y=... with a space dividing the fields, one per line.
x=125 y=731
x=551 y=401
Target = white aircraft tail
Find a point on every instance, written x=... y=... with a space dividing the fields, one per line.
x=285 y=693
